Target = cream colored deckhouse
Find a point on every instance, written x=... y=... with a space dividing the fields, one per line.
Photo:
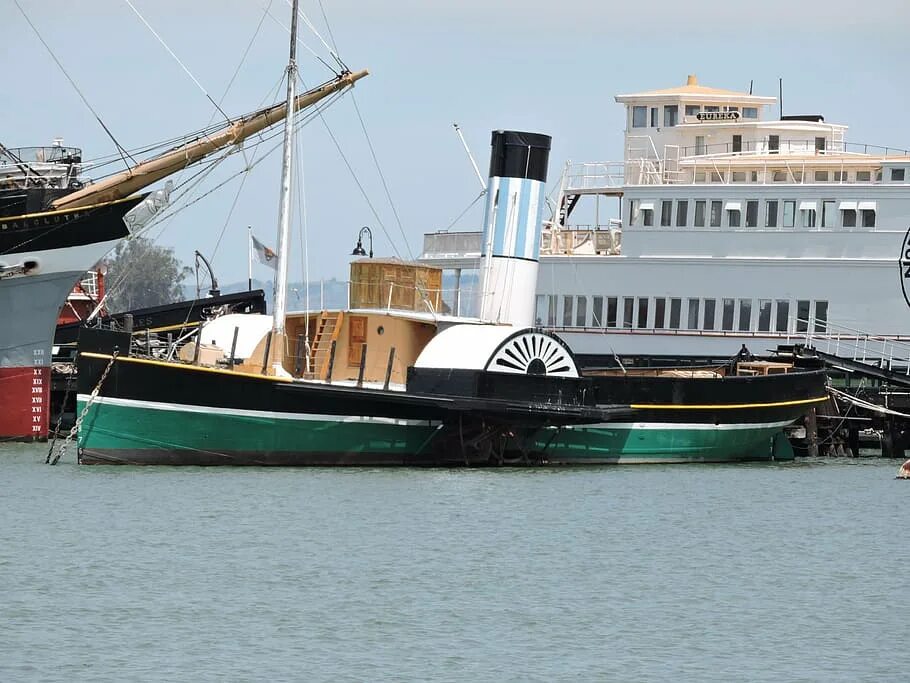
x=726 y=224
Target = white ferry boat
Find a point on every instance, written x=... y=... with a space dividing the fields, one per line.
x=730 y=225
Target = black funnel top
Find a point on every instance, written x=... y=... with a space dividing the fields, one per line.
x=519 y=155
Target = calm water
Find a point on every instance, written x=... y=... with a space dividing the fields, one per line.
x=793 y=572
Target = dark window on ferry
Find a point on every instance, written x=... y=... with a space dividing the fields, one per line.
x=671 y=115
x=863 y=176
x=597 y=311
x=675 y=306
x=734 y=217
x=666 y=213
x=693 y=314
x=716 y=210
x=897 y=175
x=745 y=315
x=551 y=310
x=611 y=311
x=540 y=310
x=709 y=315
x=692 y=109
x=567 y=302
x=647 y=216
x=642 y=312
x=783 y=315
x=789 y=213
x=682 y=213
x=639 y=117
x=821 y=176
x=660 y=307
x=771 y=213
x=628 y=307
x=828 y=213
x=820 y=144
x=773 y=143
x=727 y=322
x=737 y=143
x=654 y=121
x=752 y=213
x=750 y=112
x=764 y=315
x=581 y=311
x=699 y=213
x=868 y=218
x=802 y=316
x=849 y=220
x=821 y=316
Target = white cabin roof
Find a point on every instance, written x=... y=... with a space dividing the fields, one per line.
x=694 y=92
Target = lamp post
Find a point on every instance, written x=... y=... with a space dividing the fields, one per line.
x=359 y=250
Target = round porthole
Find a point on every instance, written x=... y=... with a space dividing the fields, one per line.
x=380 y=330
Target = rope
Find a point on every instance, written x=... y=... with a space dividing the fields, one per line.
x=75 y=87
x=332 y=38
x=75 y=428
x=470 y=206
x=309 y=24
x=177 y=59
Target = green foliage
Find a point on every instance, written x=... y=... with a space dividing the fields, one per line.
x=142 y=274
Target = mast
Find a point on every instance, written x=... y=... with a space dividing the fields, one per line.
x=144 y=174
x=279 y=308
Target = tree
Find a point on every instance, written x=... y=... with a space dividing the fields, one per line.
x=142 y=274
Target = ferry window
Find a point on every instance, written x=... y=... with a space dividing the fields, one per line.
x=807 y=212
x=828 y=213
x=878 y=175
x=840 y=176
x=581 y=311
x=821 y=176
x=780 y=176
x=642 y=312
x=752 y=213
x=820 y=144
x=660 y=308
x=540 y=309
x=699 y=213
x=771 y=213
x=753 y=176
x=734 y=216
x=750 y=112
x=773 y=143
x=671 y=115
x=738 y=176
x=849 y=218
x=567 y=302
x=897 y=175
x=551 y=310
x=692 y=109
x=727 y=322
x=597 y=311
x=709 y=315
x=711 y=107
x=639 y=117
x=729 y=108
x=789 y=213
x=675 y=306
x=802 y=316
x=868 y=217
x=654 y=121
x=764 y=315
x=700 y=176
x=715 y=213
x=666 y=212
x=745 y=315
x=634 y=211
x=611 y=311
x=699 y=144
x=647 y=215
x=693 y=313
x=863 y=176
x=821 y=316
x=783 y=315
x=797 y=176
x=682 y=213
x=717 y=177
x=737 y=143
x=628 y=308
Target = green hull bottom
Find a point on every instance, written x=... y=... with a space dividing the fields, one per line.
x=665 y=443
x=131 y=434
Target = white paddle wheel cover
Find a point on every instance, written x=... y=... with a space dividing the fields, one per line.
x=498 y=348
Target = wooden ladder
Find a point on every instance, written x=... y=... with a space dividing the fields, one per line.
x=328 y=327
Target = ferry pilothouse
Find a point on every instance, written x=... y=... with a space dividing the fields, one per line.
x=731 y=226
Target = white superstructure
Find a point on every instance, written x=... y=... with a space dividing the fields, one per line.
x=729 y=226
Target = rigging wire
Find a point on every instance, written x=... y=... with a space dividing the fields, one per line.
x=73 y=83
x=302 y=44
x=333 y=50
x=176 y=58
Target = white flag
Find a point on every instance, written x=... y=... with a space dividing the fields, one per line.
x=263 y=254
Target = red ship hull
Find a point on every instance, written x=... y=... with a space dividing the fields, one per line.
x=26 y=402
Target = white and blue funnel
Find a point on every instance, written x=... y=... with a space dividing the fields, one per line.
x=511 y=226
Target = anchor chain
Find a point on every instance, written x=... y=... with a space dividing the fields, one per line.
x=75 y=428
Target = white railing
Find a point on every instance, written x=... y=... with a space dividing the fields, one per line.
x=882 y=351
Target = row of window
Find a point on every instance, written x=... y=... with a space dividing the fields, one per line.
x=786 y=213
x=677 y=313
x=645 y=117
x=786 y=175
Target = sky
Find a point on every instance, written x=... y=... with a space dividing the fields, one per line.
x=518 y=64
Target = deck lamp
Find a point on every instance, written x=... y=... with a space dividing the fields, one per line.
x=359 y=250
